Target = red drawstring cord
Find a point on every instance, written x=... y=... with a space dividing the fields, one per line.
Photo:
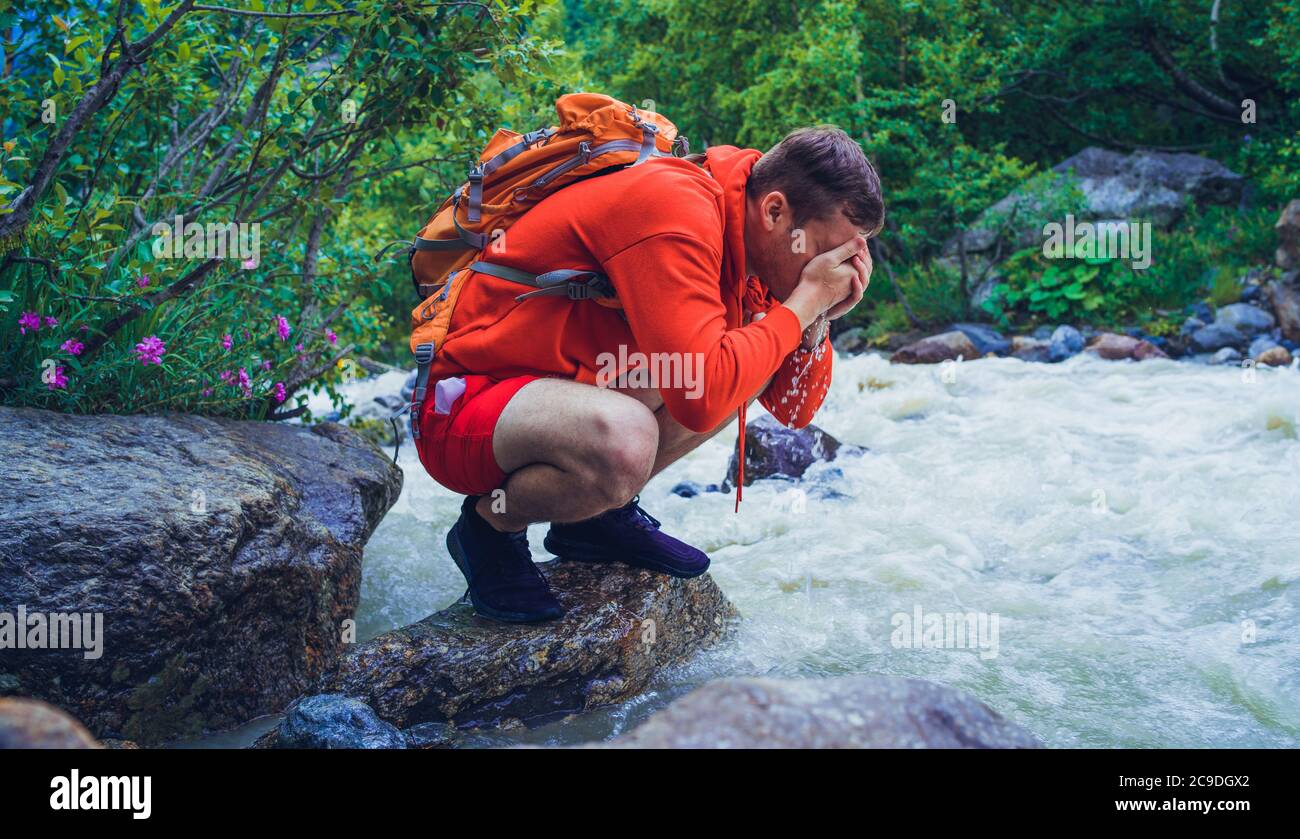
x=744 y=403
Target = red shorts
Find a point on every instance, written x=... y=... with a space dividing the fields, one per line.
x=456 y=425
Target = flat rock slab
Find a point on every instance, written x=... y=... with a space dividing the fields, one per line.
x=850 y=712
x=222 y=557
x=621 y=626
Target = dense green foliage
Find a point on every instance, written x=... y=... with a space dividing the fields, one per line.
x=161 y=108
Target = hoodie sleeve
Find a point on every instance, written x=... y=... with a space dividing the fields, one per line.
x=800 y=385
x=668 y=286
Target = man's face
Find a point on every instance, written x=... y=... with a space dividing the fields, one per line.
x=776 y=251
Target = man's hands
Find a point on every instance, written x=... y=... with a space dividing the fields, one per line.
x=832 y=283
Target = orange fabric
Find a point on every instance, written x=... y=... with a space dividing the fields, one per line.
x=670 y=237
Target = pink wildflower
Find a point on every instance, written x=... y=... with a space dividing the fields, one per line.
x=279 y=392
x=28 y=320
x=282 y=327
x=73 y=347
x=245 y=383
x=331 y=337
x=58 y=379
x=150 y=350
x=226 y=342
x=142 y=281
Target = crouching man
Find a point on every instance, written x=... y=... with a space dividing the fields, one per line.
x=729 y=265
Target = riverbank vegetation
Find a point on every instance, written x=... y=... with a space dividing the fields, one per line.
x=337 y=128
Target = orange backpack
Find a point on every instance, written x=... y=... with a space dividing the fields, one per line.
x=596 y=134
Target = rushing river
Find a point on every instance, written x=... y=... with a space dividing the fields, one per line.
x=1134 y=528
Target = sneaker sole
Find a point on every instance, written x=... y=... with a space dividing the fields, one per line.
x=580 y=553
x=457 y=551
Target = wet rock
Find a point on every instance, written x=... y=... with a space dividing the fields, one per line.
x=333 y=721
x=1275 y=357
x=853 y=712
x=687 y=489
x=947 y=346
x=31 y=724
x=1031 y=349
x=1066 y=341
x=1114 y=347
x=1288 y=237
x=1285 y=301
x=851 y=341
x=1260 y=345
x=621 y=626
x=1247 y=319
x=1227 y=355
x=1217 y=336
x=774 y=451
x=222 y=556
x=431 y=735
x=985 y=338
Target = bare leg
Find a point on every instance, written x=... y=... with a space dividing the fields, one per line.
x=573 y=451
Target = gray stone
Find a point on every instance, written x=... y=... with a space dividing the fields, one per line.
x=1066 y=341
x=1227 y=355
x=948 y=346
x=851 y=341
x=1215 y=337
x=985 y=338
x=332 y=721
x=620 y=627
x=223 y=555
x=854 y=712
x=1259 y=346
x=1247 y=319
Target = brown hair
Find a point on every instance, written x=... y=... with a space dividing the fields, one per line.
x=820 y=169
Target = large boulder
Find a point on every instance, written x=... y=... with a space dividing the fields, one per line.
x=774 y=451
x=1288 y=237
x=947 y=346
x=220 y=558
x=621 y=626
x=849 y=712
x=1247 y=319
x=1285 y=300
x=30 y=724
x=1142 y=186
x=1148 y=185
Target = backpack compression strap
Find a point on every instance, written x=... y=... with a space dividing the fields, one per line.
x=553 y=283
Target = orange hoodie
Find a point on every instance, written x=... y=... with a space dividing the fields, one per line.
x=669 y=235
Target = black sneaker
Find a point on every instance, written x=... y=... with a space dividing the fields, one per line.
x=504 y=584
x=630 y=535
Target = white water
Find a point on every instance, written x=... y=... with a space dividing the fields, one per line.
x=1122 y=520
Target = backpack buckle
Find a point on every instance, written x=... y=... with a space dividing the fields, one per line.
x=476 y=174
x=584 y=149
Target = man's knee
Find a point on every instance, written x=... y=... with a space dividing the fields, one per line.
x=624 y=440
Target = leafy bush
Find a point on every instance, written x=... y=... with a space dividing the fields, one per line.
x=331 y=129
